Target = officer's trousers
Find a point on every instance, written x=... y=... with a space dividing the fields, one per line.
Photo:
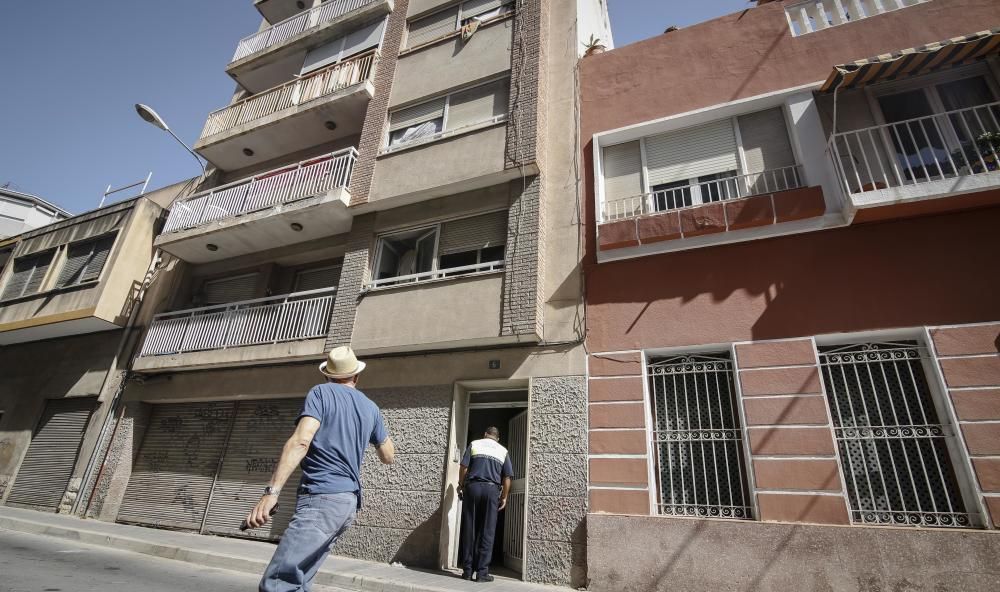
x=479 y=525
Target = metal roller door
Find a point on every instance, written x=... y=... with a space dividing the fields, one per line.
x=172 y=477
x=55 y=445
x=259 y=432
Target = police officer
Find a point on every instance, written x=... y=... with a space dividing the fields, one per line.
x=483 y=486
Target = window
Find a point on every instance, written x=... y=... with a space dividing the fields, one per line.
x=345 y=47
x=85 y=260
x=28 y=275
x=229 y=289
x=317 y=278
x=445 y=22
x=462 y=109
x=452 y=248
x=893 y=446
x=697 y=437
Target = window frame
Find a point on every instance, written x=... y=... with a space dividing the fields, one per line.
x=460 y=19
x=52 y=253
x=64 y=259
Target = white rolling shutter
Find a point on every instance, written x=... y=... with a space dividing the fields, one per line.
x=27 y=275
x=231 y=289
x=622 y=171
x=343 y=47
x=416 y=114
x=317 y=278
x=470 y=234
x=765 y=141
x=431 y=27
x=691 y=153
x=364 y=39
x=478 y=104
x=476 y=7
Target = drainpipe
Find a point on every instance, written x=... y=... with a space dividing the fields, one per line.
x=154 y=266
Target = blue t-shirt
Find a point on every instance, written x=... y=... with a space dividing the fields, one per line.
x=487 y=461
x=348 y=422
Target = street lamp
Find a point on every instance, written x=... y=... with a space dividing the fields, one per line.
x=148 y=115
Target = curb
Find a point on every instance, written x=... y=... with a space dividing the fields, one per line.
x=346 y=581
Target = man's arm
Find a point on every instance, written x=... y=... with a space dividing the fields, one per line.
x=386 y=451
x=504 y=493
x=291 y=455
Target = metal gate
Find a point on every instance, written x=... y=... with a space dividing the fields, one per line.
x=55 y=445
x=513 y=531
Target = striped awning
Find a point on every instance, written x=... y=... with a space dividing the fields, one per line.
x=915 y=61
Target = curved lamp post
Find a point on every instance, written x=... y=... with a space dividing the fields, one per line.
x=152 y=117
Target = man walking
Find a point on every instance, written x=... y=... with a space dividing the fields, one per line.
x=485 y=466
x=334 y=428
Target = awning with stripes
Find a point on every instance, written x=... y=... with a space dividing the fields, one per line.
x=957 y=51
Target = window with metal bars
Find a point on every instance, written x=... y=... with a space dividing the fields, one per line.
x=697 y=437
x=893 y=446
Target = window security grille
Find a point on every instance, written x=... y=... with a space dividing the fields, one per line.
x=697 y=437
x=892 y=445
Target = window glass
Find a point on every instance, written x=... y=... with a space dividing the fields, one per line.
x=670 y=196
x=406 y=253
x=416 y=132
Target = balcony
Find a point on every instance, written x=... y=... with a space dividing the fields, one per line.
x=947 y=153
x=276 y=53
x=304 y=201
x=809 y=16
x=315 y=109
x=293 y=326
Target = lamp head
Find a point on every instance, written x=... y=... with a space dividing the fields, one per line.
x=150 y=116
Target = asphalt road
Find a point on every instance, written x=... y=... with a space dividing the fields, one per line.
x=34 y=563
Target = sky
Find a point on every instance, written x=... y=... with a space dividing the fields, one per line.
x=70 y=73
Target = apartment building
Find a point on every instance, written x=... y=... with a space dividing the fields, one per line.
x=69 y=294
x=394 y=175
x=791 y=222
x=20 y=212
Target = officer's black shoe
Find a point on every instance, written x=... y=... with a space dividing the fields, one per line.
x=482 y=579
x=466 y=575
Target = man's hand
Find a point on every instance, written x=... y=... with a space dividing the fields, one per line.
x=503 y=503
x=260 y=514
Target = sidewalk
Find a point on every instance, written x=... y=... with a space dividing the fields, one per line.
x=245 y=556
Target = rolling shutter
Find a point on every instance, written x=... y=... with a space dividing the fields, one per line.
x=173 y=474
x=48 y=464
x=478 y=104
x=691 y=153
x=84 y=261
x=416 y=114
x=470 y=234
x=765 y=141
x=363 y=39
x=28 y=275
x=316 y=279
x=622 y=171
x=430 y=28
x=231 y=289
x=343 y=47
x=260 y=430
x=476 y=7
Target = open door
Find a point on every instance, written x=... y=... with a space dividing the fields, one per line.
x=513 y=533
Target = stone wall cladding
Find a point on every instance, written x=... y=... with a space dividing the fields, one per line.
x=557 y=484
x=400 y=519
x=121 y=448
x=376 y=116
x=522 y=300
x=353 y=276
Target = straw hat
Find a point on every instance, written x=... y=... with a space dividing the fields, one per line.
x=341 y=363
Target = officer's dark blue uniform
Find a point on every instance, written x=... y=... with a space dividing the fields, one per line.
x=488 y=465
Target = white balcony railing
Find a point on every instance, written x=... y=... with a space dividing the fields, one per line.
x=299 y=181
x=696 y=194
x=290 y=27
x=303 y=315
x=948 y=145
x=297 y=92
x=808 y=16
x=436 y=274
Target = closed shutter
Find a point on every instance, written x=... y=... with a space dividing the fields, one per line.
x=55 y=446
x=260 y=430
x=28 y=275
x=84 y=261
x=232 y=289
x=691 y=153
x=316 y=279
x=477 y=105
x=343 y=47
x=476 y=7
x=432 y=27
x=364 y=39
x=416 y=114
x=622 y=171
x=172 y=477
x=470 y=234
x=765 y=141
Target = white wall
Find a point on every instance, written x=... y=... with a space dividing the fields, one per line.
x=593 y=19
x=20 y=215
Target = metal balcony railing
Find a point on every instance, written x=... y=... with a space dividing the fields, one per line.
x=697 y=194
x=290 y=27
x=302 y=315
x=305 y=179
x=809 y=16
x=947 y=145
x=297 y=92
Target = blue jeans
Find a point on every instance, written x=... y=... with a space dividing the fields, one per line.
x=318 y=522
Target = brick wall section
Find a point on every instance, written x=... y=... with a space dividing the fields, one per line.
x=353 y=276
x=969 y=358
x=376 y=117
x=522 y=298
x=525 y=74
x=793 y=451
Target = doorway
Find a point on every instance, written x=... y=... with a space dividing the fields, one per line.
x=508 y=412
